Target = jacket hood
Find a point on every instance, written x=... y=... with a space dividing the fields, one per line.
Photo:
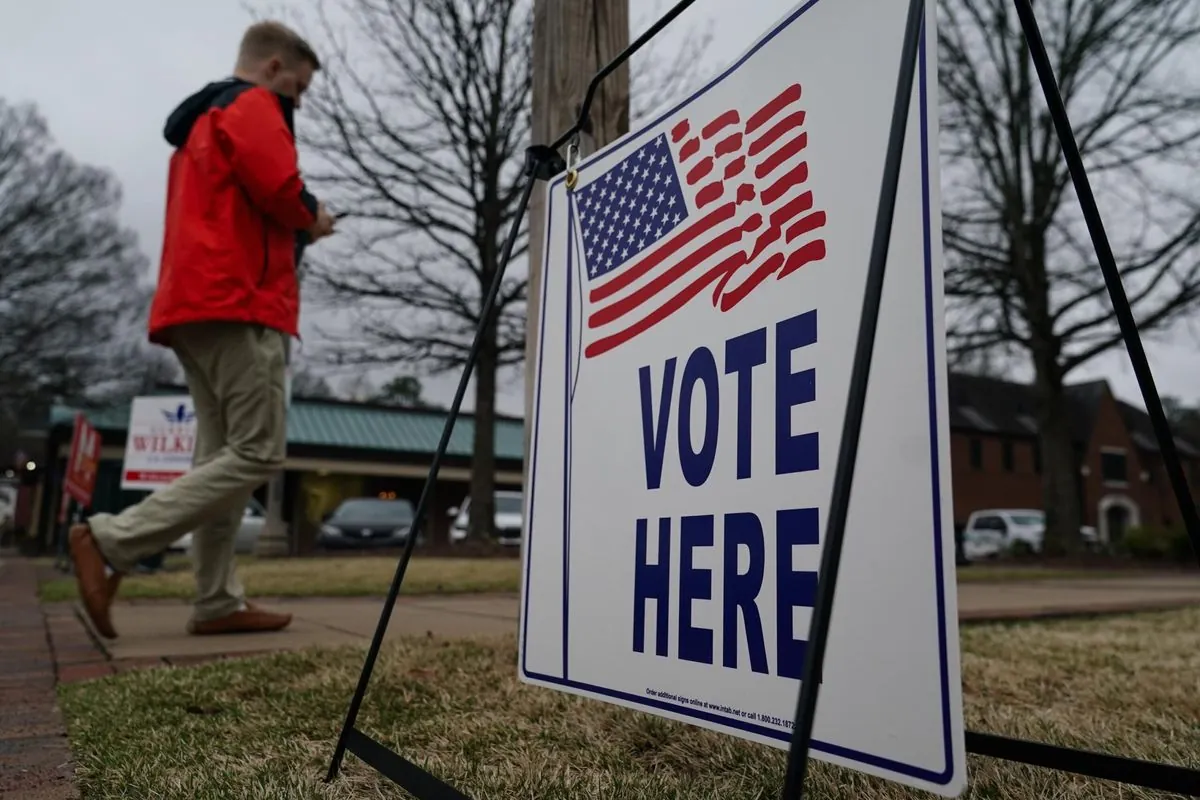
x=180 y=122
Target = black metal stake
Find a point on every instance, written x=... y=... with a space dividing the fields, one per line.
x=541 y=163
x=843 y=479
x=1112 y=275
x=581 y=122
x=1151 y=775
x=538 y=163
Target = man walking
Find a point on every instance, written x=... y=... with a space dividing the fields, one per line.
x=237 y=213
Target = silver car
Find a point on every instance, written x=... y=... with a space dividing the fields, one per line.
x=253 y=520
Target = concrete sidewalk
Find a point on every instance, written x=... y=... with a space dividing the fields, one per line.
x=154 y=631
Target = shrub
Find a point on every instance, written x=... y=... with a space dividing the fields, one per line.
x=1158 y=543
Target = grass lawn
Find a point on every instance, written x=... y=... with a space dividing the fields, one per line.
x=364 y=576
x=352 y=576
x=264 y=728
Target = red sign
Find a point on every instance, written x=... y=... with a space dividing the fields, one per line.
x=80 y=479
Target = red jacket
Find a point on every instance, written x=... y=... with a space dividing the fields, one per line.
x=236 y=207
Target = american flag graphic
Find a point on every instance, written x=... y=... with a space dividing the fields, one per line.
x=679 y=216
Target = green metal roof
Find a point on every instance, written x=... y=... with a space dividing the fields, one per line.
x=359 y=427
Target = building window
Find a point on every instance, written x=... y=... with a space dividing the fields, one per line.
x=1037 y=457
x=1113 y=466
x=1009 y=461
x=976 y=447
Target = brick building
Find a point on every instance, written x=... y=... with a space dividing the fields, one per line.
x=995 y=459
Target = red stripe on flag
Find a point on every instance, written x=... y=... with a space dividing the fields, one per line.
x=735 y=167
x=732 y=264
x=687 y=235
x=680 y=130
x=781 y=101
x=776 y=190
x=813 y=251
x=689 y=149
x=806 y=225
x=794 y=120
x=781 y=215
x=797 y=205
x=731 y=299
x=710 y=194
x=745 y=193
x=603 y=345
x=781 y=155
x=631 y=301
x=723 y=121
x=700 y=170
x=730 y=144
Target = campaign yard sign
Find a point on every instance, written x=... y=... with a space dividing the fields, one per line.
x=82 y=462
x=162 y=436
x=702 y=293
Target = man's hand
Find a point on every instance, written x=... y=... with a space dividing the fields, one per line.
x=324 y=224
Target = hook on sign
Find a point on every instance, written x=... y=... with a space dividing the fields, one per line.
x=573 y=163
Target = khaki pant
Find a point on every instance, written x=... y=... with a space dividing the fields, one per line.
x=235 y=373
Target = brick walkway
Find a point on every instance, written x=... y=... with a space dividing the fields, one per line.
x=35 y=759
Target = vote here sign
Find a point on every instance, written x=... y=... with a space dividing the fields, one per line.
x=703 y=285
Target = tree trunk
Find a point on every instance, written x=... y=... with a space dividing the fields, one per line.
x=1060 y=469
x=483 y=462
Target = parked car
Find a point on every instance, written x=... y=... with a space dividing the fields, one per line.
x=253 y=520
x=991 y=532
x=367 y=522
x=507 y=521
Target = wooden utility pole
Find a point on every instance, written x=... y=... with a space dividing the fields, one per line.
x=572 y=39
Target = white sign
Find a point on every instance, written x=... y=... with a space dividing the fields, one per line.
x=701 y=301
x=162 y=436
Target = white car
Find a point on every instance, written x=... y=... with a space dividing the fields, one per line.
x=992 y=532
x=253 y=520
x=507 y=522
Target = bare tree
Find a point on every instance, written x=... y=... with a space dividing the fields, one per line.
x=310 y=385
x=68 y=269
x=660 y=78
x=1022 y=280
x=402 y=390
x=357 y=387
x=418 y=128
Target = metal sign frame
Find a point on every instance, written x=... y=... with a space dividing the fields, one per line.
x=543 y=163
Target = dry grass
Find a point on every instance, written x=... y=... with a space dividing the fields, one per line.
x=353 y=576
x=265 y=728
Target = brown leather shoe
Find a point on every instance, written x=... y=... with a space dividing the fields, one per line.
x=250 y=619
x=95 y=589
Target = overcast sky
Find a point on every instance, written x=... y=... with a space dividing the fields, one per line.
x=106 y=74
